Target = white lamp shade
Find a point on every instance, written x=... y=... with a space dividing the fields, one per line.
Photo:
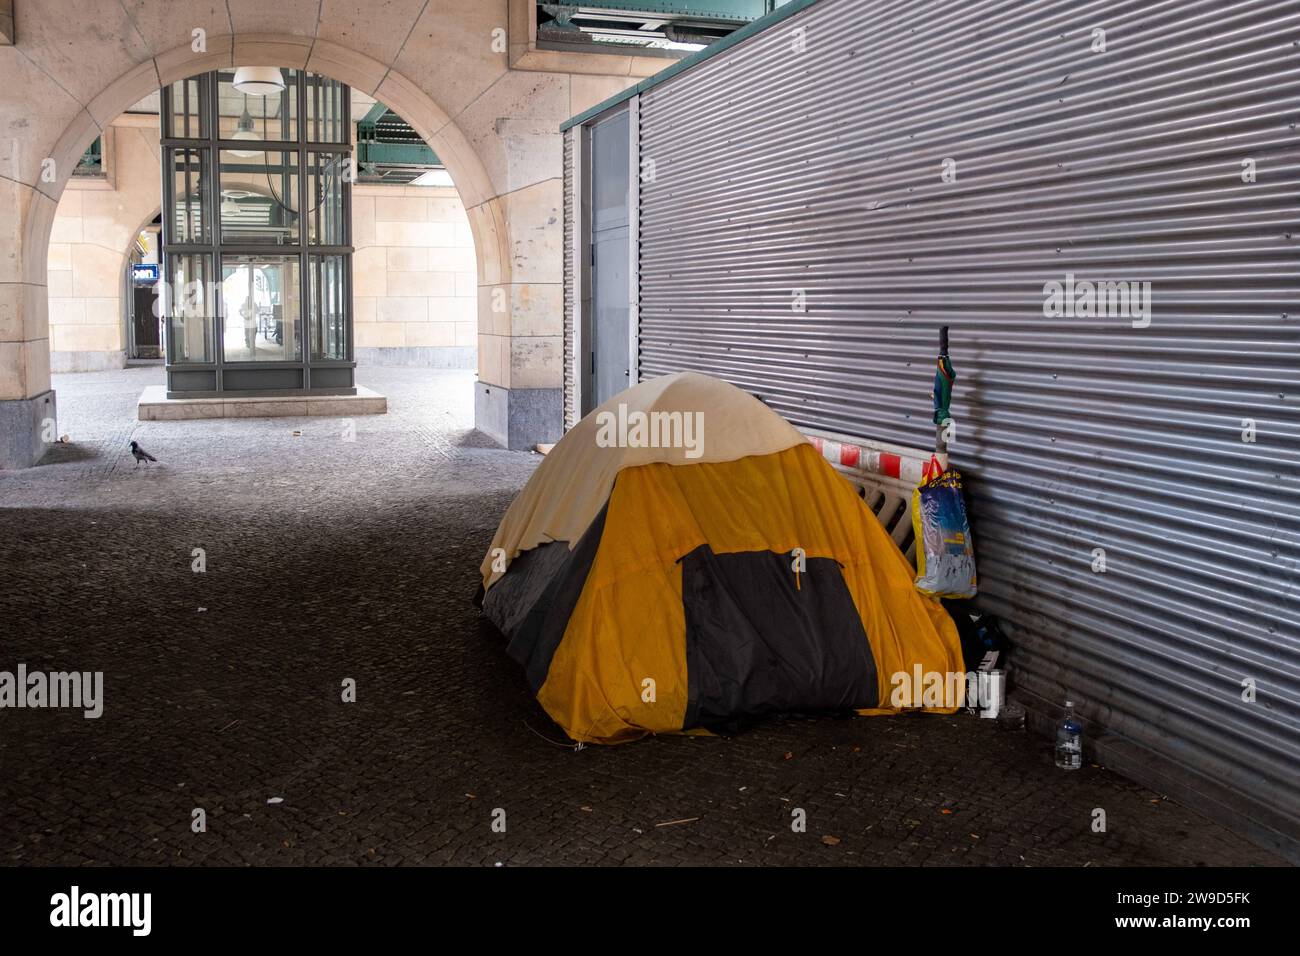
x=246 y=134
x=259 y=80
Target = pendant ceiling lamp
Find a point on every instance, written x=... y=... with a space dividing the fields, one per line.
x=244 y=130
x=259 y=80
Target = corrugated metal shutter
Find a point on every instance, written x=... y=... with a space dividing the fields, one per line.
x=570 y=277
x=778 y=170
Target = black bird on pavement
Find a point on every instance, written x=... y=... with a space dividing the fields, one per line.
x=140 y=454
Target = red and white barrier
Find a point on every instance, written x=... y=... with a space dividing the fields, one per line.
x=889 y=461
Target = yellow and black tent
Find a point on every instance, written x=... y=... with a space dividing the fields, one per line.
x=683 y=559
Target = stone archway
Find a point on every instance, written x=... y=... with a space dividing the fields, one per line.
x=359 y=72
x=495 y=128
x=95 y=224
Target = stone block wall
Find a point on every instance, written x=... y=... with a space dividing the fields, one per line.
x=414 y=277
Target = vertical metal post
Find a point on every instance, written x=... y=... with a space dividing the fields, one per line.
x=210 y=213
x=634 y=240
x=583 y=321
x=168 y=170
x=576 y=232
x=304 y=261
x=349 y=323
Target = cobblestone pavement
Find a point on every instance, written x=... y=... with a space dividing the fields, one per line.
x=328 y=560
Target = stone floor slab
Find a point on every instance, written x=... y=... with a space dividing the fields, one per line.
x=154 y=405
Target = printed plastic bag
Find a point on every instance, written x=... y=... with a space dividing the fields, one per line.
x=945 y=559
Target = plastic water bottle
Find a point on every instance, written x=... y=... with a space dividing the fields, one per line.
x=1069 y=741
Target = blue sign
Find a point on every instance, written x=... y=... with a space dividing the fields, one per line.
x=145 y=273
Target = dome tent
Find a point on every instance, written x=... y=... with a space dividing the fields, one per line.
x=684 y=559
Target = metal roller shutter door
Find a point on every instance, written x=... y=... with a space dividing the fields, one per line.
x=777 y=170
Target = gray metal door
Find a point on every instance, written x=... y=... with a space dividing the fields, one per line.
x=607 y=341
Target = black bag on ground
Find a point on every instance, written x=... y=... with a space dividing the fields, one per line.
x=983 y=645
